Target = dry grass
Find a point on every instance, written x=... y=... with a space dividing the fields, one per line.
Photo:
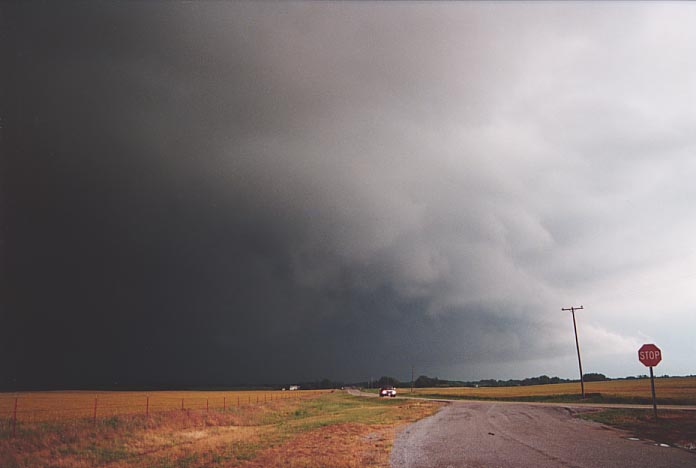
x=677 y=428
x=330 y=429
x=344 y=432
x=673 y=390
x=64 y=405
x=347 y=445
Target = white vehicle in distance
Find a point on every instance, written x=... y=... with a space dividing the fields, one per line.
x=387 y=391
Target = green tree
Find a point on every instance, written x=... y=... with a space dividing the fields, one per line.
x=385 y=381
x=425 y=381
x=594 y=377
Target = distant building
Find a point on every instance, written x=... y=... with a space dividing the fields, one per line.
x=294 y=387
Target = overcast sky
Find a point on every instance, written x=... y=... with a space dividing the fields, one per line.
x=219 y=193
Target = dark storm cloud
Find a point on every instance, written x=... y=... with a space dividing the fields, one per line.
x=231 y=192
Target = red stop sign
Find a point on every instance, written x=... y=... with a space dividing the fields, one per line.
x=650 y=355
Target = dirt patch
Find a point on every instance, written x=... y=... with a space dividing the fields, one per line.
x=347 y=445
x=200 y=445
x=194 y=434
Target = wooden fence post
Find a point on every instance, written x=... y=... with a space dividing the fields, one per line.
x=224 y=403
x=147 y=406
x=14 y=419
x=94 y=414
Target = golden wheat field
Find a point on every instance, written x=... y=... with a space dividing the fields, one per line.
x=64 y=405
x=677 y=388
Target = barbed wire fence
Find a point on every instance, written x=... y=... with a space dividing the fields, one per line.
x=17 y=410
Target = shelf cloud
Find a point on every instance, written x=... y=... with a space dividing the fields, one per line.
x=218 y=193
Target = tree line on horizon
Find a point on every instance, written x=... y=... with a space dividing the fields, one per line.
x=424 y=381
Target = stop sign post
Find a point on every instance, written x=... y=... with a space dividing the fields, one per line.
x=650 y=355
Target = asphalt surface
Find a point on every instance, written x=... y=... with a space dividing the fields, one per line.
x=491 y=434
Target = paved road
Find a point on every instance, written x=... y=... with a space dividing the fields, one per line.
x=574 y=406
x=491 y=434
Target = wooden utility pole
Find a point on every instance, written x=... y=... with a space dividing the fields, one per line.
x=577 y=346
x=411 y=378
